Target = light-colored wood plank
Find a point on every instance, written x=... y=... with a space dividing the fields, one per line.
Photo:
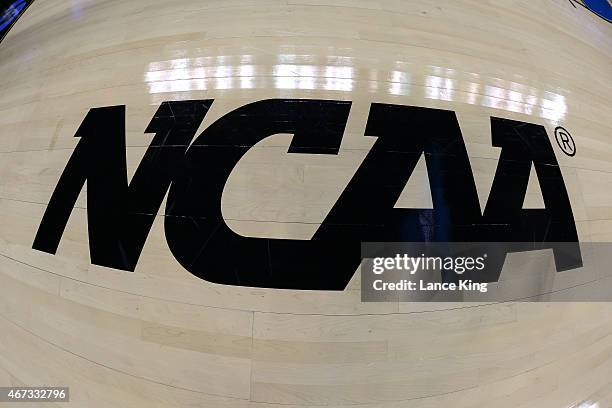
x=161 y=337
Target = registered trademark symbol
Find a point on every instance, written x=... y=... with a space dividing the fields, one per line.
x=565 y=141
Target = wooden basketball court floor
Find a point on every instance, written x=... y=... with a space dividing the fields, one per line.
x=160 y=336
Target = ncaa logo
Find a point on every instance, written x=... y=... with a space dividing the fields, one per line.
x=193 y=172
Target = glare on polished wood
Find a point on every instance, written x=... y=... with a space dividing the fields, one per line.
x=160 y=337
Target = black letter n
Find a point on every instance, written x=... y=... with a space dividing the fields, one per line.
x=119 y=216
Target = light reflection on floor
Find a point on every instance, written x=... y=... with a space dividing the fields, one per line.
x=341 y=74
